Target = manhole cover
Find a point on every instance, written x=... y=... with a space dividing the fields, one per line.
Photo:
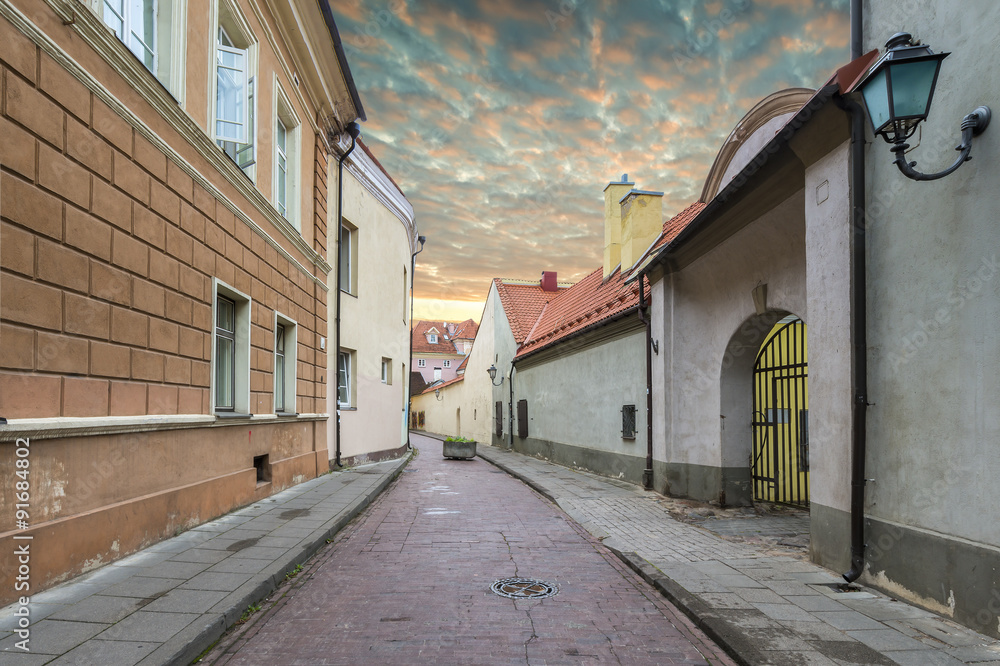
x=523 y=588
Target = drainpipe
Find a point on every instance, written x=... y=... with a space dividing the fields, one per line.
x=859 y=313
x=647 y=474
x=354 y=130
x=510 y=405
x=409 y=398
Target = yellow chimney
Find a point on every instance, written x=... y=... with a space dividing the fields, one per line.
x=613 y=222
x=642 y=223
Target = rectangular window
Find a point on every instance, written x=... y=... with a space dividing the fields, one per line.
x=432 y=338
x=421 y=363
x=234 y=97
x=437 y=374
x=498 y=418
x=225 y=354
x=285 y=347
x=134 y=23
x=348 y=254
x=344 y=379
x=628 y=421
x=386 y=371
x=447 y=364
x=230 y=351
x=286 y=157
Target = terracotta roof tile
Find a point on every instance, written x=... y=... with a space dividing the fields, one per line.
x=592 y=299
x=438 y=385
x=422 y=328
x=522 y=303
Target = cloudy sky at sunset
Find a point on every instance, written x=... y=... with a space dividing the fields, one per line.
x=503 y=120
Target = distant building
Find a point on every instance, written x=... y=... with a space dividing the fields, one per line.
x=440 y=347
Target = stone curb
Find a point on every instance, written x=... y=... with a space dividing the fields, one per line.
x=186 y=646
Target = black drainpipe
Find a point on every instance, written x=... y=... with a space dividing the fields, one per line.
x=354 y=130
x=647 y=474
x=858 y=312
x=510 y=404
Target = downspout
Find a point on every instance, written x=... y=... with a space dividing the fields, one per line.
x=354 y=130
x=510 y=405
x=647 y=474
x=858 y=312
x=409 y=397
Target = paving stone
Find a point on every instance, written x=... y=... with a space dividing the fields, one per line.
x=186 y=601
x=923 y=658
x=848 y=620
x=885 y=639
x=784 y=612
x=100 y=608
x=214 y=580
x=106 y=653
x=142 y=587
x=55 y=636
x=148 y=626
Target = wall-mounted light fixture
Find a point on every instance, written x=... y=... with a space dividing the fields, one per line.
x=492 y=370
x=898 y=91
x=437 y=394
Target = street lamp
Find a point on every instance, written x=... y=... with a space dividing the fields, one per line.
x=898 y=91
x=492 y=370
x=437 y=394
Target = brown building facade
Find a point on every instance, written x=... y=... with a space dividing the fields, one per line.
x=163 y=269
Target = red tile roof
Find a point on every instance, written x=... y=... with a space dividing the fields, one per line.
x=590 y=301
x=464 y=330
x=522 y=303
x=434 y=386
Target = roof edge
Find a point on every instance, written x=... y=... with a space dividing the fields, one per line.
x=338 y=46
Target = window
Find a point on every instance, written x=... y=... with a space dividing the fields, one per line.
x=437 y=374
x=348 y=255
x=421 y=363
x=628 y=421
x=522 y=419
x=285 y=347
x=147 y=29
x=432 y=338
x=231 y=351
x=386 y=371
x=225 y=354
x=235 y=64
x=286 y=158
x=344 y=377
x=498 y=418
x=447 y=364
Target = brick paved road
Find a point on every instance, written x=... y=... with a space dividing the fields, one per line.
x=408 y=583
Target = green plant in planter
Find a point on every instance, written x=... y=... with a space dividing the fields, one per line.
x=459 y=439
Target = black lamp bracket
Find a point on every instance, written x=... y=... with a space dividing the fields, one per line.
x=972 y=125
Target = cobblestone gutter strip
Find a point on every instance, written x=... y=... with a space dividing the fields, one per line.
x=730 y=638
x=185 y=646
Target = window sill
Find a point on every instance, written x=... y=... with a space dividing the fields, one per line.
x=348 y=293
x=232 y=415
x=347 y=409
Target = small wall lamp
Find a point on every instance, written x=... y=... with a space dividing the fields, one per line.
x=492 y=370
x=437 y=394
x=898 y=91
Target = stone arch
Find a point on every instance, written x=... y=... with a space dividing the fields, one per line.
x=736 y=404
x=752 y=133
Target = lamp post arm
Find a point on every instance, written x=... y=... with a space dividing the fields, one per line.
x=972 y=125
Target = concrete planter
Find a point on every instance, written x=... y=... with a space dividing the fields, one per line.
x=456 y=450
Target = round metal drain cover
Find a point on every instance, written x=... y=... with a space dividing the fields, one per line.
x=523 y=588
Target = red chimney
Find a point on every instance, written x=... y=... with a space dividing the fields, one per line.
x=549 y=281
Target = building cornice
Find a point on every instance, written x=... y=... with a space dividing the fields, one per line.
x=60 y=427
x=89 y=27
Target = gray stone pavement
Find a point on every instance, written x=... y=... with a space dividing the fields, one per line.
x=761 y=607
x=168 y=603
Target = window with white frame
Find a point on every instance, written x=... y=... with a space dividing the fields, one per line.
x=153 y=31
x=437 y=374
x=347 y=259
x=235 y=66
x=286 y=158
x=421 y=363
x=231 y=351
x=285 y=347
x=447 y=364
x=345 y=363
x=386 y=370
x=432 y=338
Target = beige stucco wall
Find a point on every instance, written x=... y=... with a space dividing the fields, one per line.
x=374 y=321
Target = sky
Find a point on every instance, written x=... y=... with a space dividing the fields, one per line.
x=503 y=120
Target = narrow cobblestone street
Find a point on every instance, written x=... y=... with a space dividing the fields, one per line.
x=409 y=582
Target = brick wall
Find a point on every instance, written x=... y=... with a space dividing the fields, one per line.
x=106 y=258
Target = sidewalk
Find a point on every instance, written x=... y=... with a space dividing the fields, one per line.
x=761 y=608
x=170 y=602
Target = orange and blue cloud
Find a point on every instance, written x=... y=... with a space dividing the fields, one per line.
x=504 y=120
